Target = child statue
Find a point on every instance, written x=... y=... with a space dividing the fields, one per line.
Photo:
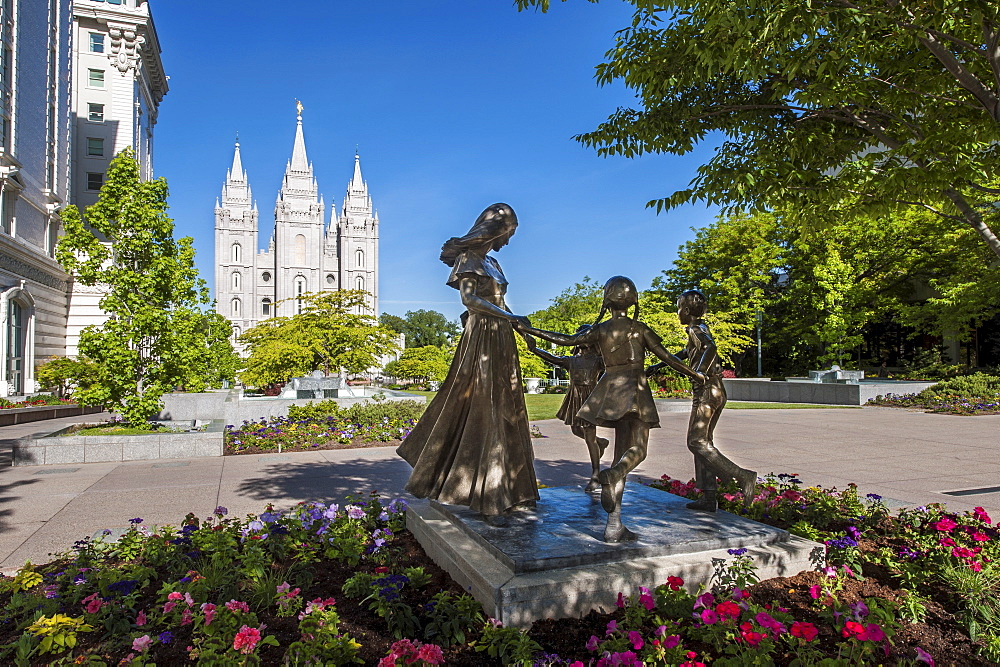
x=584 y=367
x=706 y=406
x=621 y=400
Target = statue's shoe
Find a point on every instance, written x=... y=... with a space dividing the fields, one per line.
x=616 y=532
x=704 y=504
x=748 y=483
x=612 y=487
x=592 y=485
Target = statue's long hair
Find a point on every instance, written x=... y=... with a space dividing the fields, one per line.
x=496 y=224
x=629 y=298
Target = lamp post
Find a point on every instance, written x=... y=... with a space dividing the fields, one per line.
x=760 y=324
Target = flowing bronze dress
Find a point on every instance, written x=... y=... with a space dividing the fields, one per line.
x=472 y=445
x=584 y=371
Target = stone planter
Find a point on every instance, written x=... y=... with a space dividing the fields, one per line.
x=56 y=448
x=12 y=416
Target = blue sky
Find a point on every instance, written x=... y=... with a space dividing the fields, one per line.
x=454 y=105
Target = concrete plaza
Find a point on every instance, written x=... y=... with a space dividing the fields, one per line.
x=908 y=457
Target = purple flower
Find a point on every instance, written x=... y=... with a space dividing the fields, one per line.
x=355 y=512
x=166 y=637
x=738 y=552
x=135 y=520
x=220 y=511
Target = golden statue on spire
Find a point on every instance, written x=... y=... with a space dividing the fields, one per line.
x=298 y=106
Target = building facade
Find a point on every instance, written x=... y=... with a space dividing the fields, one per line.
x=117 y=82
x=304 y=254
x=79 y=81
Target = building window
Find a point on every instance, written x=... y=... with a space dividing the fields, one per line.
x=300 y=250
x=265 y=307
x=361 y=283
x=7 y=198
x=95 y=113
x=237 y=254
x=236 y=281
x=95 y=180
x=15 y=347
x=266 y=276
x=95 y=146
x=360 y=256
x=6 y=72
x=330 y=279
x=95 y=78
x=96 y=42
x=300 y=289
x=236 y=307
x=236 y=334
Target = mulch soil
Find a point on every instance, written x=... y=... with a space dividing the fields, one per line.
x=939 y=634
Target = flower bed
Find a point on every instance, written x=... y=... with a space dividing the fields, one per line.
x=349 y=584
x=34 y=402
x=325 y=425
x=977 y=394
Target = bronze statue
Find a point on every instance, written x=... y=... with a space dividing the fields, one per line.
x=621 y=400
x=706 y=406
x=584 y=367
x=472 y=445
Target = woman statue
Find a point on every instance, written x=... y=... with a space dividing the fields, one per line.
x=472 y=445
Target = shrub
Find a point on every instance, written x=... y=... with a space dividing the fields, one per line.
x=978 y=385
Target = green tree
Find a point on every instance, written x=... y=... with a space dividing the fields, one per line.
x=150 y=341
x=422 y=327
x=333 y=331
x=420 y=363
x=822 y=106
x=574 y=306
x=64 y=375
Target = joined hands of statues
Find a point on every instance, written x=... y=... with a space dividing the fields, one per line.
x=654 y=370
x=529 y=341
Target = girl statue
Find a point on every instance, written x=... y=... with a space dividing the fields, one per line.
x=472 y=445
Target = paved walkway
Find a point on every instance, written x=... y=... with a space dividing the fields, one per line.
x=908 y=457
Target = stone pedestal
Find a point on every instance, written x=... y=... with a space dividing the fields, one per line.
x=552 y=563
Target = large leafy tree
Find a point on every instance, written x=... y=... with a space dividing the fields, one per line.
x=333 y=331
x=823 y=105
x=420 y=363
x=155 y=337
x=576 y=305
x=422 y=327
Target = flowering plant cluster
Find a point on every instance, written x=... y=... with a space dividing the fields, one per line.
x=952 y=405
x=34 y=402
x=200 y=592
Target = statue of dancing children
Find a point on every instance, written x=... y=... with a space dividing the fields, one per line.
x=584 y=367
x=709 y=400
x=621 y=400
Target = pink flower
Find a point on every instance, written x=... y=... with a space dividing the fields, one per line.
x=924 y=656
x=576 y=664
x=140 y=620
x=636 y=638
x=141 y=643
x=592 y=643
x=246 y=640
x=175 y=596
x=873 y=632
x=387 y=661
x=946 y=542
x=961 y=552
x=671 y=641
x=815 y=591
x=188 y=599
x=704 y=600
x=238 y=605
x=431 y=654
x=985 y=518
x=709 y=617
x=980 y=537
x=740 y=594
x=92 y=604
x=768 y=622
x=646 y=599
x=187 y=616
x=620 y=602
x=945 y=525
x=209 y=609
x=169 y=607
x=612 y=626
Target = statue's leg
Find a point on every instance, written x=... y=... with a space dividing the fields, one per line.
x=710 y=463
x=632 y=439
x=595 y=451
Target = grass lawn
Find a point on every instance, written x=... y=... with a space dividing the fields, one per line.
x=540 y=406
x=740 y=405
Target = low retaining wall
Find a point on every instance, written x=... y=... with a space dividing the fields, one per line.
x=55 y=448
x=11 y=416
x=234 y=408
x=774 y=391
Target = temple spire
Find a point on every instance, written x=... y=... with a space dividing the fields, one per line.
x=357 y=183
x=236 y=171
x=299 y=160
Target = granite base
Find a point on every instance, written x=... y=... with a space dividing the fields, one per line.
x=552 y=563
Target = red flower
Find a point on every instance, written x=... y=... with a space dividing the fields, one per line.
x=381 y=570
x=804 y=630
x=675 y=583
x=981 y=514
x=246 y=639
x=852 y=628
x=945 y=525
x=728 y=609
x=749 y=636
